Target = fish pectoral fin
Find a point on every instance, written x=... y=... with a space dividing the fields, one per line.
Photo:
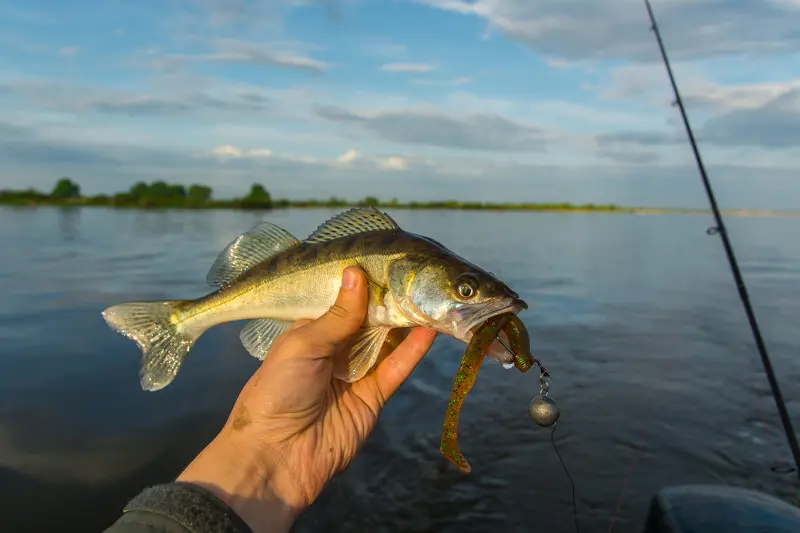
x=352 y=221
x=258 y=335
x=263 y=241
x=395 y=337
x=362 y=354
x=390 y=344
x=375 y=290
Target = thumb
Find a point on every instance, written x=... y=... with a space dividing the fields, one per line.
x=345 y=316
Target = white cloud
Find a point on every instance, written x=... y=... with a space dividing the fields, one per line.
x=651 y=84
x=406 y=67
x=173 y=96
x=620 y=29
x=433 y=127
x=69 y=51
x=230 y=50
x=348 y=157
x=236 y=15
x=394 y=163
x=382 y=49
x=228 y=151
x=560 y=63
x=462 y=80
x=741 y=96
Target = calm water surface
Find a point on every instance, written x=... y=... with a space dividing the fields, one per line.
x=637 y=318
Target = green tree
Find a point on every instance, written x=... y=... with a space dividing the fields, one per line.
x=159 y=189
x=258 y=197
x=140 y=190
x=66 y=188
x=176 y=191
x=258 y=192
x=198 y=194
x=370 y=200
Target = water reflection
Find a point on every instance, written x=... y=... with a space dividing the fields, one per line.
x=69 y=219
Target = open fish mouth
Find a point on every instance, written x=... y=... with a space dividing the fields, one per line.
x=470 y=318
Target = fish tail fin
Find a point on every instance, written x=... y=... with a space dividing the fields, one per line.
x=160 y=334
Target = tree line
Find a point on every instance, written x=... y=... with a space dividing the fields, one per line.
x=141 y=194
x=162 y=194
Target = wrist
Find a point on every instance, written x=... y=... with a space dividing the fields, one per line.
x=238 y=475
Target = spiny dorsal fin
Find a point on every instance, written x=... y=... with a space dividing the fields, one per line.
x=263 y=241
x=356 y=220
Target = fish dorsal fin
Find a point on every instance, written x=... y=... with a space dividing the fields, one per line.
x=262 y=242
x=352 y=221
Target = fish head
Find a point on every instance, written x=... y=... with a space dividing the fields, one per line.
x=451 y=295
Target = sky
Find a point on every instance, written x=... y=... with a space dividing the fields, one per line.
x=481 y=100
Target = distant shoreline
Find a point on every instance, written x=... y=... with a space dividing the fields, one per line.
x=233 y=205
x=162 y=195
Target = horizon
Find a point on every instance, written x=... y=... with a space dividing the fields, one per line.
x=505 y=101
x=163 y=195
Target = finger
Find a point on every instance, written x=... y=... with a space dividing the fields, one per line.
x=345 y=316
x=297 y=324
x=399 y=365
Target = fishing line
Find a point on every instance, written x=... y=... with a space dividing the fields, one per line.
x=571 y=482
x=720 y=230
x=544 y=411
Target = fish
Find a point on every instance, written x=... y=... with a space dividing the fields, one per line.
x=270 y=279
x=479 y=345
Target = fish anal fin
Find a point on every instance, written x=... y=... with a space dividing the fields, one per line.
x=264 y=241
x=352 y=221
x=361 y=355
x=259 y=334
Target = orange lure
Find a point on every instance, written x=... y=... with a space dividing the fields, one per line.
x=468 y=373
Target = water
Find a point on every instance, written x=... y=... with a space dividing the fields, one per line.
x=636 y=317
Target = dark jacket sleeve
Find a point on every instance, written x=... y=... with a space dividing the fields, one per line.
x=178 y=508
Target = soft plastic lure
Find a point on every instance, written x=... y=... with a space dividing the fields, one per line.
x=468 y=373
x=519 y=343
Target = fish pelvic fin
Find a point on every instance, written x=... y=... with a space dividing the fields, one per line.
x=262 y=242
x=350 y=222
x=362 y=354
x=259 y=334
x=160 y=335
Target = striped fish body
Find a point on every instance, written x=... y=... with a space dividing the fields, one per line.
x=270 y=278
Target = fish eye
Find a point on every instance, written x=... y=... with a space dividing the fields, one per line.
x=467 y=286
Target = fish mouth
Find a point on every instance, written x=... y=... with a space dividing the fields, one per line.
x=472 y=317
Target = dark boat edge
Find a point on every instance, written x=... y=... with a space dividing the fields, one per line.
x=719 y=509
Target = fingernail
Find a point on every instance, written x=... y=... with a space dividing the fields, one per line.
x=348 y=278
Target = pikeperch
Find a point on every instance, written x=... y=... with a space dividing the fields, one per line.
x=271 y=278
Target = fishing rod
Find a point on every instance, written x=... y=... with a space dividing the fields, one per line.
x=720 y=229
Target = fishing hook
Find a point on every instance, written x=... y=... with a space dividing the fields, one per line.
x=542 y=370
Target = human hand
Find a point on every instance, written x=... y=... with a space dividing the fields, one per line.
x=293 y=426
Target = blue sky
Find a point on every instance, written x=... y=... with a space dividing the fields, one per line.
x=520 y=100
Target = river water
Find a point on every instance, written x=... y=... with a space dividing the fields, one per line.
x=636 y=317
